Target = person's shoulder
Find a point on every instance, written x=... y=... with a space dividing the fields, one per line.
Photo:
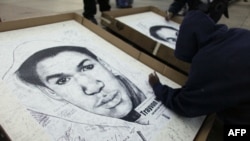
x=197 y=16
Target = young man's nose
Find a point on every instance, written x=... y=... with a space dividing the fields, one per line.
x=90 y=84
x=92 y=88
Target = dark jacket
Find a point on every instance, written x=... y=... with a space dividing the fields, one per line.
x=219 y=78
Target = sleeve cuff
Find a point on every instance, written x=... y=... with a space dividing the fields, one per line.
x=160 y=91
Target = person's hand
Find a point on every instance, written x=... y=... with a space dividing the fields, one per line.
x=169 y=16
x=153 y=79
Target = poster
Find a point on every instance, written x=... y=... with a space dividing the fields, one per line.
x=153 y=26
x=79 y=87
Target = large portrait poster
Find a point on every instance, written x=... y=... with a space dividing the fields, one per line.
x=79 y=87
x=153 y=26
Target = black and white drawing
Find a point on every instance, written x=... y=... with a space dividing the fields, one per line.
x=165 y=33
x=79 y=87
x=77 y=76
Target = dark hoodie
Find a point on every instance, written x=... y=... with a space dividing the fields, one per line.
x=219 y=78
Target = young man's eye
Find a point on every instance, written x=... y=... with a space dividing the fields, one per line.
x=87 y=67
x=177 y=33
x=63 y=80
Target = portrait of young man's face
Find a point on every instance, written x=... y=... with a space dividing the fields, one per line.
x=82 y=81
x=167 y=34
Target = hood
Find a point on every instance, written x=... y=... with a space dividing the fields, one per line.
x=196 y=31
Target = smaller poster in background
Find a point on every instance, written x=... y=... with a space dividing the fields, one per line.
x=153 y=26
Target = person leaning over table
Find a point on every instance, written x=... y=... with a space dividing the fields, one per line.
x=215 y=8
x=219 y=77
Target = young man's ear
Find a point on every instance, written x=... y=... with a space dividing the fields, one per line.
x=50 y=93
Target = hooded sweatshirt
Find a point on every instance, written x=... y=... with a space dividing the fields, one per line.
x=219 y=77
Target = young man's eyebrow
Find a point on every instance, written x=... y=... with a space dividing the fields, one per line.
x=81 y=63
x=62 y=74
x=54 y=76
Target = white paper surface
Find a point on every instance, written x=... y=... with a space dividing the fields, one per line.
x=64 y=121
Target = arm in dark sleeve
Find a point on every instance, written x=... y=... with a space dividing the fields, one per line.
x=183 y=103
x=169 y=97
x=165 y=94
x=161 y=92
x=199 y=98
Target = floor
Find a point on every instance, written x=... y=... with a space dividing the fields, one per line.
x=239 y=16
x=239 y=11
